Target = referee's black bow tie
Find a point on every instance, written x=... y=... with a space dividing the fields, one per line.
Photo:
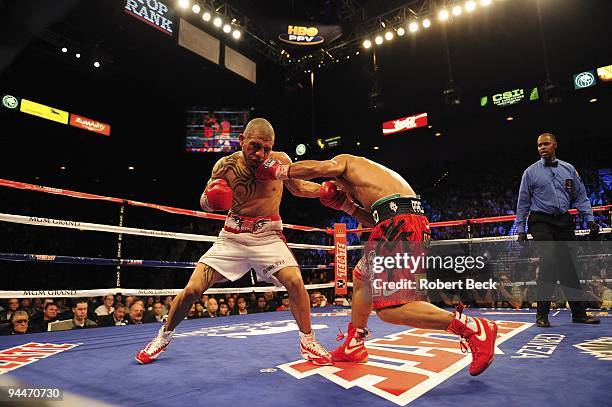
x=551 y=164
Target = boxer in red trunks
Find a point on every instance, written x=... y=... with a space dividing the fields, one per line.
x=252 y=238
x=396 y=215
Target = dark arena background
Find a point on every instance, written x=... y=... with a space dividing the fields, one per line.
x=113 y=114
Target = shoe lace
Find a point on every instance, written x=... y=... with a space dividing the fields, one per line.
x=316 y=347
x=341 y=335
x=468 y=346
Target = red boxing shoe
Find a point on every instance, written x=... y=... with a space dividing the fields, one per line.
x=480 y=335
x=313 y=351
x=155 y=347
x=353 y=349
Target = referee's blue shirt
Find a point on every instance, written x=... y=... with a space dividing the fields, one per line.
x=551 y=189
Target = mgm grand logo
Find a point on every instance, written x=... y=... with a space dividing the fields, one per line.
x=298 y=35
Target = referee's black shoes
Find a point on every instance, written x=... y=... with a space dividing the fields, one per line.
x=586 y=320
x=542 y=321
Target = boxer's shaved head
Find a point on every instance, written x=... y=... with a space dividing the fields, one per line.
x=259 y=127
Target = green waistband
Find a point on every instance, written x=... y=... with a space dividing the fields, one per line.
x=390 y=198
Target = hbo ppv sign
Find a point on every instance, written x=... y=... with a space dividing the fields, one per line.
x=299 y=35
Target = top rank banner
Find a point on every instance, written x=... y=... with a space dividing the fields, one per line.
x=152 y=12
x=404 y=123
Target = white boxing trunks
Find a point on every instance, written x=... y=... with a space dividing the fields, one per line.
x=247 y=243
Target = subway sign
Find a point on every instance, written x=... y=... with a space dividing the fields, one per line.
x=510 y=97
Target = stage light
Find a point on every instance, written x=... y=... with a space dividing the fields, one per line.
x=195 y=8
x=183 y=3
x=509 y=118
x=485 y=2
x=378 y=40
x=77 y=55
x=426 y=23
x=227 y=28
x=438 y=134
x=96 y=64
x=236 y=34
x=593 y=100
x=131 y=168
x=367 y=44
x=217 y=21
x=443 y=15
x=388 y=35
x=63 y=168
x=457 y=10
x=401 y=31
x=64 y=50
x=358 y=143
x=413 y=27
x=357 y=53
x=206 y=16
x=376 y=148
x=470 y=6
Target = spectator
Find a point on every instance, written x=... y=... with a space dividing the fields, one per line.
x=106 y=308
x=49 y=315
x=262 y=305
x=284 y=303
x=129 y=300
x=204 y=300
x=199 y=308
x=167 y=304
x=231 y=306
x=271 y=300
x=317 y=300
x=136 y=313
x=79 y=320
x=149 y=304
x=117 y=318
x=156 y=314
x=37 y=306
x=13 y=306
x=26 y=305
x=223 y=310
x=211 y=308
x=192 y=313
x=18 y=324
x=242 y=306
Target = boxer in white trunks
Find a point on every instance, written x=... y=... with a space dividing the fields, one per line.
x=251 y=238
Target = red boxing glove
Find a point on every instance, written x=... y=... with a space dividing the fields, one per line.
x=217 y=196
x=330 y=196
x=272 y=169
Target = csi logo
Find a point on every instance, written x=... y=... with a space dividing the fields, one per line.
x=301 y=35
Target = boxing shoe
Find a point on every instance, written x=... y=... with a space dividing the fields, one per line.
x=155 y=347
x=477 y=334
x=353 y=349
x=313 y=351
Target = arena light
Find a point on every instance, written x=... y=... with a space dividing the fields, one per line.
x=131 y=168
x=401 y=31
x=358 y=143
x=438 y=134
x=413 y=27
x=183 y=3
x=376 y=148
x=195 y=8
x=227 y=28
x=77 y=55
x=470 y=6
x=367 y=44
x=426 y=23
x=389 y=35
x=485 y=2
x=509 y=118
x=443 y=15
x=457 y=10
x=594 y=100
x=96 y=64
x=236 y=34
x=206 y=16
x=64 y=50
x=378 y=40
x=63 y=168
x=217 y=22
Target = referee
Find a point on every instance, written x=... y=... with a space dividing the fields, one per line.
x=549 y=188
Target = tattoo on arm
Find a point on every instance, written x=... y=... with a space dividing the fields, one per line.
x=242 y=179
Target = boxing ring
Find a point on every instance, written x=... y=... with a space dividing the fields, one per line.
x=255 y=359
